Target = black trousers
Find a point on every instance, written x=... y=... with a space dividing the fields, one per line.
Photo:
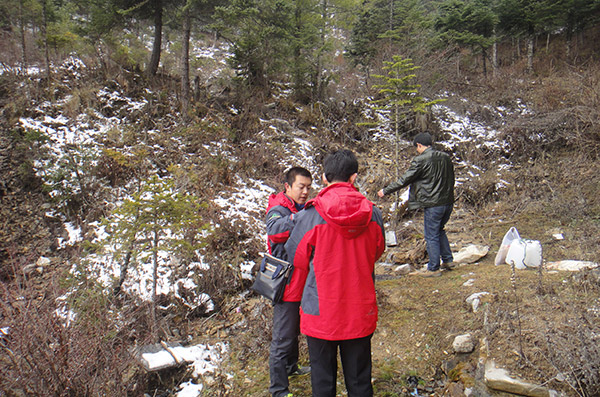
x=355 y=355
x=283 y=358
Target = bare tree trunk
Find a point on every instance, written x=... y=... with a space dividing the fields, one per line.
x=495 y=56
x=530 y=45
x=124 y=269
x=319 y=80
x=45 y=34
x=458 y=65
x=397 y=158
x=484 y=61
x=154 y=282
x=156 y=47
x=197 y=88
x=185 y=64
x=22 y=29
x=391 y=27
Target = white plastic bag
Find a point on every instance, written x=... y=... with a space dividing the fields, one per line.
x=512 y=234
x=524 y=253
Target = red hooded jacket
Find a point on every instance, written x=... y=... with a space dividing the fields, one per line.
x=279 y=223
x=334 y=245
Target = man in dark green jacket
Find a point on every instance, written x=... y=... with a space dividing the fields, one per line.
x=431 y=180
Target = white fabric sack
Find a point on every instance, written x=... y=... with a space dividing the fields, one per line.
x=512 y=234
x=524 y=253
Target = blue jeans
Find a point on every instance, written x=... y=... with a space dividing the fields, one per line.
x=435 y=236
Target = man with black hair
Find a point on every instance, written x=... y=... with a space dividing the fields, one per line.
x=334 y=245
x=431 y=180
x=283 y=357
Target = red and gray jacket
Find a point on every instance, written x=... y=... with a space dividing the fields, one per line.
x=334 y=245
x=279 y=223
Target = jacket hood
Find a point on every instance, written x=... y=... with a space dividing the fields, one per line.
x=344 y=208
x=281 y=199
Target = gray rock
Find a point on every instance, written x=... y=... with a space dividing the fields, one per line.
x=471 y=253
x=499 y=379
x=474 y=300
x=571 y=265
x=463 y=344
x=404 y=269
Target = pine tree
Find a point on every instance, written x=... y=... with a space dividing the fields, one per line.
x=399 y=98
x=260 y=33
x=155 y=218
x=469 y=24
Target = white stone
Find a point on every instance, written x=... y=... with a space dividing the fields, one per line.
x=571 y=265
x=42 y=261
x=474 y=296
x=463 y=344
x=469 y=282
x=475 y=305
x=471 y=253
x=404 y=269
x=390 y=238
x=475 y=300
x=499 y=379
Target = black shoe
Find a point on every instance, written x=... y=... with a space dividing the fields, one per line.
x=448 y=265
x=300 y=371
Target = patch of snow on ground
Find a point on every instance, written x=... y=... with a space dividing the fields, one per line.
x=462 y=128
x=189 y=389
x=204 y=358
x=247 y=204
x=74 y=233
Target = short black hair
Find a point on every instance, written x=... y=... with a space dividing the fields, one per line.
x=424 y=138
x=340 y=166
x=290 y=175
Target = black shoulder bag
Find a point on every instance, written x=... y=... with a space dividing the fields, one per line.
x=272 y=277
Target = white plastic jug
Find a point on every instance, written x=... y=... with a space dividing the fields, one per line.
x=524 y=253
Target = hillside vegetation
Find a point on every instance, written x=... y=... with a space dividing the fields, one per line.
x=132 y=205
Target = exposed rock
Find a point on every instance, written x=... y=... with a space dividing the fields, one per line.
x=463 y=344
x=471 y=253
x=474 y=300
x=469 y=282
x=390 y=238
x=404 y=269
x=455 y=389
x=42 y=261
x=571 y=265
x=499 y=379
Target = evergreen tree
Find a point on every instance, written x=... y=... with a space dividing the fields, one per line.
x=399 y=99
x=527 y=18
x=156 y=218
x=574 y=16
x=468 y=23
x=260 y=33
x=397 y=23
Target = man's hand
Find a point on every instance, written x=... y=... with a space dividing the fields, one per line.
x=380 y=193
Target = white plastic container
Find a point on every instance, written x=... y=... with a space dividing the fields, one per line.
x=524 y=253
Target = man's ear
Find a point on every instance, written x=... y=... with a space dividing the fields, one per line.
x=287 y=187
x=324 y=179
x=352 y=178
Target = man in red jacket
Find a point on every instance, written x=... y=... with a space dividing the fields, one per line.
x=334 y=245
x=283 y=357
